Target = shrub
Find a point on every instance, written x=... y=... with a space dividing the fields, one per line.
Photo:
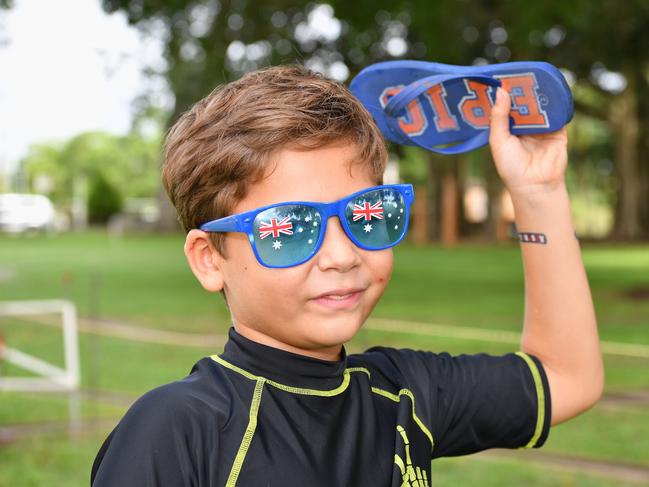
x=104 y=200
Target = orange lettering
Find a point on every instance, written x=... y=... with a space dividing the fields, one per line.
x=526 y=110
x=476 y=106
x=413 y=122
x=443 y=119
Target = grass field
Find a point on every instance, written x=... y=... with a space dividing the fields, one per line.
x=144 y=281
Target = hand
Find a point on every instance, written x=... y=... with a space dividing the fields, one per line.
x=527 y=164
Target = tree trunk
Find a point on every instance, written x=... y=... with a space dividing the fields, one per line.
x=643 y=158
x=505 y=215
x=494 y=190
x=433 y=200
x=625 y=124
x=168 y=221
x=462 y=163
x=450 y=208
x=643 y=166
x=420 y=216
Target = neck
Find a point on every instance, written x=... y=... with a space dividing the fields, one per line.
x=323 y=353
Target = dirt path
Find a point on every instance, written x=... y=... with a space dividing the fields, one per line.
x=636 y=350
x=616 y=400
x=120 y=329
x=151 y=335
x=619 y=471
x=117 y=329
x=136 y=333
x=16 y=432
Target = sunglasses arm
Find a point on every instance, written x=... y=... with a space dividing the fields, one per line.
x=226 y=224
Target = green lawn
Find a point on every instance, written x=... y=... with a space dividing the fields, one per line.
x=35 y=463
x=145 y=281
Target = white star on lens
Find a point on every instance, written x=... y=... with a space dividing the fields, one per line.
x=315 y=224
x=307 y=218
x=389 y=215
x=310 y=241
x=277 y=245
x=367 y=228
x=300 y=229
x=396 y=226
x=389 y=198
x=401 y=210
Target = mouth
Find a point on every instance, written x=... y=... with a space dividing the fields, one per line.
x=339 y=298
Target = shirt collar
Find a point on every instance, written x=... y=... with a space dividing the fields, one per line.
x=281 y=366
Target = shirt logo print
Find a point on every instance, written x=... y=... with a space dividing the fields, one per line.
x=411 y=476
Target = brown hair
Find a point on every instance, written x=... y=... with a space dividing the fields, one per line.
x=224 y=142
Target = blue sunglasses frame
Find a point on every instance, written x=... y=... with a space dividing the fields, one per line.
x=243 y=222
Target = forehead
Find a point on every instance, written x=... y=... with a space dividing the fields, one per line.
x=324 y=174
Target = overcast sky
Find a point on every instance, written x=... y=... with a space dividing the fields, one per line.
x=66 y=67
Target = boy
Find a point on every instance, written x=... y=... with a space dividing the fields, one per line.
x=284 y=405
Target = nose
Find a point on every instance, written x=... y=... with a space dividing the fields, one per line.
x=337 y=250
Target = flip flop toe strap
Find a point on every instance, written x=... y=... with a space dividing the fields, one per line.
x=400 y=101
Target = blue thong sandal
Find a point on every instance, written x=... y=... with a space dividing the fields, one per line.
x=433 y=105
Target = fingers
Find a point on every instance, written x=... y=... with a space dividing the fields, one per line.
x=499 y=123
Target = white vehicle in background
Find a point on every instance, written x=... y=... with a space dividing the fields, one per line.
x=25 y=212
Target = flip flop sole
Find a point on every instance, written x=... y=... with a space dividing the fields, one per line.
x=456 y=110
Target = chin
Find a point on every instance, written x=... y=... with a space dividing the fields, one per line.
x=336 y=332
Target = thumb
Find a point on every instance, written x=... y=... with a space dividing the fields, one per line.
x=499 y=123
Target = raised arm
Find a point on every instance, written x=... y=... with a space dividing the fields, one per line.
x=560 y=325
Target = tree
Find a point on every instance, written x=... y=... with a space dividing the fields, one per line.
x=209 y=42
x=604 y=44
x=104 y=200
x=128 y=163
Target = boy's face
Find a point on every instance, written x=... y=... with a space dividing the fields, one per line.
x=281 y=307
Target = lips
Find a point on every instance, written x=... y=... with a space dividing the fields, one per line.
x=339 y=299
x=339 y=293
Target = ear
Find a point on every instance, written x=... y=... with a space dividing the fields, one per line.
x=204 y=260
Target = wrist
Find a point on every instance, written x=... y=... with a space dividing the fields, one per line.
x=539 y=194
x=546 y=211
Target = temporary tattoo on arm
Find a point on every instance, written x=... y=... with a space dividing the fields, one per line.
x=532 y=237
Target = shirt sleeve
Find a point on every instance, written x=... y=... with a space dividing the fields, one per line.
x=151 y=446
x=479 y=401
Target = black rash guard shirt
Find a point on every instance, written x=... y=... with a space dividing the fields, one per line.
x=261 y=416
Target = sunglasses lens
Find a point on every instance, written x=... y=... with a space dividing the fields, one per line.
x=286 y=235
x=378 y=218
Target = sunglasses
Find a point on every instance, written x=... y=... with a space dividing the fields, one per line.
x=288 y=234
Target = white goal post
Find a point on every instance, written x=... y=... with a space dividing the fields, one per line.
x=51 y=377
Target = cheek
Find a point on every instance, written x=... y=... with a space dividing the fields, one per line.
x=383 y=280
x=284 y=283
x=382 y=264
